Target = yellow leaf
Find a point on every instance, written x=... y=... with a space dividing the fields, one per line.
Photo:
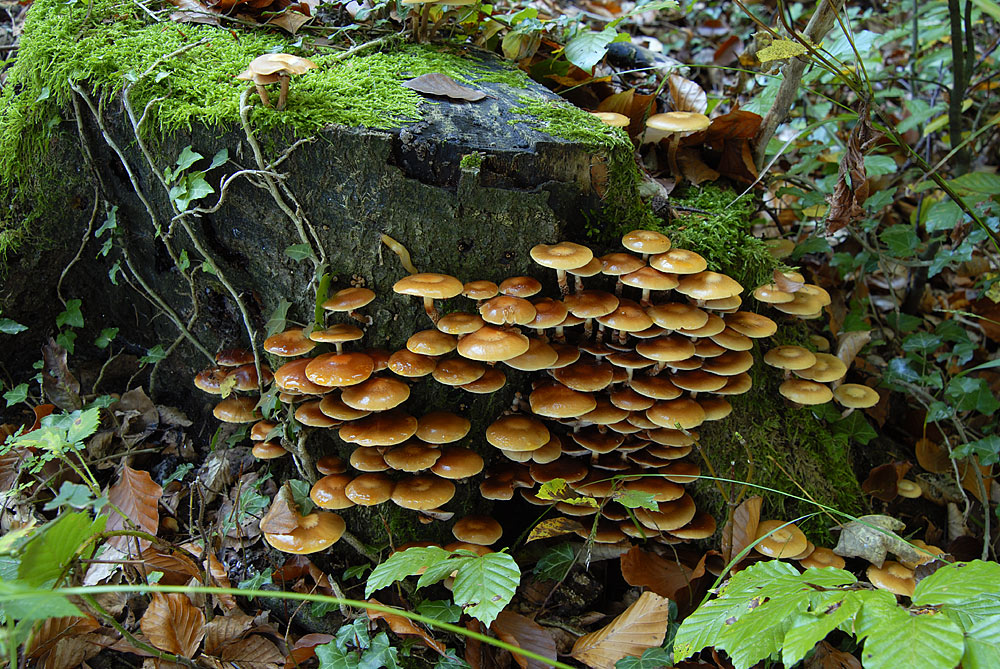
x=554 y=527
x=781 y=49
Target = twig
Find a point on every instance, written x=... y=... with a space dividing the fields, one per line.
x=79 y=251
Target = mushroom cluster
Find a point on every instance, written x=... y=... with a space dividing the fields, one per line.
x=634 y=352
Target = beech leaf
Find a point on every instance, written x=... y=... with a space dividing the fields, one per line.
x=664 y=577
x=687 y=95
x=305 y=648
x=525 y=633
x=404 y=627
x=225 y=629
x=253 y=652
x=642 y=625
x=53 y=629
x=136 y=495
x=741 y=529
x=173 y=624
x=441 y=85
x=849 y=344
x=282 y=517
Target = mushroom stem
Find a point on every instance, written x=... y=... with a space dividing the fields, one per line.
x=431 y=310
x=339 y=346
x=358 y=316
x=644 y=300
x=672 y=143
x=262 y=92
x=283 y=95
x=559 y=335
x=588 y=328
x=618 y=287
x=563 y=283
x=578 y=284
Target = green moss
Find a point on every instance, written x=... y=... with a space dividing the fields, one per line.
x=791 y=450
x=471 y=161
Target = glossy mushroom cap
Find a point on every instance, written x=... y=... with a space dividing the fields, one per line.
x=855 y=396
x=780 y=541
x=659 y=126
x=276 y=64
x=479 y=530
x=316 y=531
x=894 y=577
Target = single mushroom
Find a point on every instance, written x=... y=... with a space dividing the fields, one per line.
x=672 y=126
x=274 y=68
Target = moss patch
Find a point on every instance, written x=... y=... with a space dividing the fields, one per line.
x=787 y=447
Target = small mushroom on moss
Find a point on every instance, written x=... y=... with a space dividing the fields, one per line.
x=274 y=68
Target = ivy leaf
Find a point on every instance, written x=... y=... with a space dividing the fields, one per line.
x=380 y=654
x=298 y=251
x=105 y=338
x=440 y=609
x=915 y=640
x=332 y=657
x=972 y=394
x=556 y=562
x=485 y=585
x=17 y=394
x=187 y=158
x=11 y=327
x=71 y=315
x=403 y=564
x=219 y=158
x=153 y=355
x=587 y=48
x=276 y=322
x=300 y=494
x=651 y=658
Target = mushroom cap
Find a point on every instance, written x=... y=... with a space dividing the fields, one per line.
x=538 y=356
x=490 y=343
x=678 y=121
x=784 y=542
x=619 y=263
x=368 y=459
x=708 y=286
x=268 y=450
x=234 y=357
x=727 y=305
x=370 y=489
x=457 y=463
x=337 y=334
x=822 y=557
x=413 y=456
x=431 y=342
x=614 y=119
x=517 y=433
x=548 y=313
x=801 y=304
x=628 y=316
x=316 y=531
x=732 y=340
x=311 y=415
x=507 y=310
x=338 y=369
x=411 y=365
x=666 y=349
x=260 y=79
x=328 y=492
x=385 y=428
x=669 y=515
x=479 y=530
x=490 y=382
x=587 y=376
x=330 y=464
x=429 y=284
x=909 y=489
x=605 y=413
x=729 y=363
x=892 y=576
x=670 y=413
x=769 y=293
x=480 y=290
x=713 y=326
x=827 y=368
x=520 y=286
x=593 y=268
x=661 y=489
x=677 y=316
x=261 y=429
x=423 y=492
x=376 y=394
x=563 y=255
x=736 y=385
x=628 y=399
x=648 y=278
x=678 y=261
x=557 y=401
x=280 y=63
x=855 y=396
x=349 y=299
x=805 y=392
x=750 y=324
x=459 y=323
x=655 y=387
x=289 y=343
x=790 y=357
x=442 y=427
x=237 y=410
x=702 y=526
x=646 y=241
x=210 y=380
x=697 y=381
x=334 y=407
x=715 y=408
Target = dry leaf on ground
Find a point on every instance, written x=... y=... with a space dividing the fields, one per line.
x=642 y=625
x=60 y=386
x=741 y=529
x=871 y=537
x=53 y=629
x=847 y=199
x=649 y=570
x=554 y=527
x=136 y=495
x=73 y=651
x=442 y=85
x=305 y=648
x=403 y=626
x=253 y=652
x=849 y=344
x=225 y=629
x=283 y=516
x=191 y=11
x=173 y=624
x=827 y=657
x=525 y=633
x=176 y=567
x=687 y=95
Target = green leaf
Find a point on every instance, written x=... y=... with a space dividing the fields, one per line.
x=982 y=644
x=107 y=336
x=71 y=315
x=187 y=158
x=72 y=495
x=441 y=570
x=183 y=261
x=810 y=627
x=942 y=216
x=357 y=571
x=11 y=327
x=588 y=47
x=402 y=564
x=959 y=583
x=153 y=355
x=986 y=449
x=256 y=582
x=332 y=657
x=973 y=183
x=276 y=323
x=178 y=474
x=299 y=252
x=380 y=654
x=556 y=562
x=300 y=495
x=110 y=222
x=902 y=240
x=855 y=427
x=636 y=499
x=972 y=394
x=652 y=658
x=218 y=159
x=49 y=551
x=17 y=394
x=485 y=585
x=83 y=424
x=878 y=166
x=23 y=602
x=67 y=340
x=440 y=609
x=920 y=640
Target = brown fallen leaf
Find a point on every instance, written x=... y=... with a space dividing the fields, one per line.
x=693 y=168
x=173 y=624
x=404 y=626
x=283 y=516
x=51 y=630
x=191 y=11
x=253 y=652
x=736 y=161
x=290 y=21
x=58 y=383
x=847 y=198
x=849 y=344
x=177 y=568
x=664 y=577
x=554 y=527
x=687 y=95
x=882 y=482
x=442 y=85
x=785 y=283
x=220 y=579
x=305 y=648
x=826 y=656
x=73 y=651
x=741 y=529
x=225 y=629
x=737 y=124
x=642 y=625
x=525 y=633
x=136 y=495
